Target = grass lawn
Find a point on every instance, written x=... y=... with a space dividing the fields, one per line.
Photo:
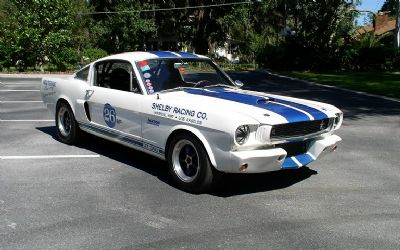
x=379 y=83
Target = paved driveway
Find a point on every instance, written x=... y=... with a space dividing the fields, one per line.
x=100 y=195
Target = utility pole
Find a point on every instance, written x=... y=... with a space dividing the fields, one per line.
x=397 y=32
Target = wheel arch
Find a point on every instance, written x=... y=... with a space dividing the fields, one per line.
x=66 y=100
x=195 y=132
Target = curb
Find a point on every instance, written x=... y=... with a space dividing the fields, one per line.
x=329 y=86
x=12 y=79
x=30 y=76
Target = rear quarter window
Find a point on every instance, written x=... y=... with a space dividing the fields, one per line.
x=83 y=74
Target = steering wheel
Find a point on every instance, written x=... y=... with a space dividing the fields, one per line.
x=200 y=83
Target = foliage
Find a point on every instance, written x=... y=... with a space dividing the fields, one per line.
x=122 y=32
x=390 y=5
x=277 y=34
x=381 y=83
x=92 y=54
x=35 y=30
x=65 y=58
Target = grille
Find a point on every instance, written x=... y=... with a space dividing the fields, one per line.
x=300 y=129
x=294 y=148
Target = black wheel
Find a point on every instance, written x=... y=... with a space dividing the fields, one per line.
x=66 y=126
x=189 y=164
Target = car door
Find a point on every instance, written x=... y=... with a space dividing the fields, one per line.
x=113 y=101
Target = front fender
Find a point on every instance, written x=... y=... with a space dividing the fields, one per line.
x=200 y=136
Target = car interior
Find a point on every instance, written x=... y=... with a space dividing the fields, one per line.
x=117 y=75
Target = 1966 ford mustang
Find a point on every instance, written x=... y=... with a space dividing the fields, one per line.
x=183 y=108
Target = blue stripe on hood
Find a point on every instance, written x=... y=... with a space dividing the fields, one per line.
x=290 y=114
x=318 y=115
x=184 y=54
x=163 y=54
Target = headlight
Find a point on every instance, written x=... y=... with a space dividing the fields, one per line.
x=242 y=134
x=338 y=120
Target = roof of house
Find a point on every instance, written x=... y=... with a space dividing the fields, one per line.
x=390 y=25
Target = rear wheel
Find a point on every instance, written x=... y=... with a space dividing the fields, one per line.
x=66 y=125
x=189 y=164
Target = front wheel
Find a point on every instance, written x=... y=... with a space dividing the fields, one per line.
x=189 y=164
x=66 y=126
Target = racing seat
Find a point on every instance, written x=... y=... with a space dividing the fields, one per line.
x=120 y=79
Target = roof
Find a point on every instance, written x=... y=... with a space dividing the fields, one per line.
x=145 y=55
x=388 y=26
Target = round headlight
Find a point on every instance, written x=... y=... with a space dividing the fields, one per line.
x=242 y=134
x=338 y=120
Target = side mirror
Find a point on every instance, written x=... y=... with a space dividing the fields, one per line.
x=238 y=83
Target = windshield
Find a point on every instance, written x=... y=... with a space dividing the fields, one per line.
x=165 y=74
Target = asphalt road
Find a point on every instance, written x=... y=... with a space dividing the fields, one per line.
x=105 y=196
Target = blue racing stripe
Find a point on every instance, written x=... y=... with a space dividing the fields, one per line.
x=163 y=54
x=304 y=159
x=317 y=114
x=290 y=114
x=288 y=163
x=184 y=54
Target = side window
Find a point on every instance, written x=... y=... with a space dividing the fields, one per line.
x=83 y=74
x=115 y=74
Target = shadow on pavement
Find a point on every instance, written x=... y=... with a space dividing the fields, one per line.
x=230 y=185
x=238 y=184
x=354 y=106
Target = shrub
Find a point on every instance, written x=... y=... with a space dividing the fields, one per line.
x=92 y=54
x=65 y=58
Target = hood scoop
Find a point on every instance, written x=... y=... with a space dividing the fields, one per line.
x=264 y=100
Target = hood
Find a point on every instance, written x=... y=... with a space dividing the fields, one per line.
x=264 y=108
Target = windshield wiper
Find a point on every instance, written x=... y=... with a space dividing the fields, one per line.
x=173 y=89
x=220 y=85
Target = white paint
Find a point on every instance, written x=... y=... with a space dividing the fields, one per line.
x=312 y=156
x=296 y=161
x=26 y=120
x=29 y=157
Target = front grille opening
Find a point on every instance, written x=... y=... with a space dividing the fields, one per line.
x=295 y=148
x=298 y=129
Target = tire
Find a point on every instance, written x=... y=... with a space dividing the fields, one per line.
x=189 y=164
x=66 y=125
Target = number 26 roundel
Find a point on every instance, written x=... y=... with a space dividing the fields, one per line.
x=109 y=115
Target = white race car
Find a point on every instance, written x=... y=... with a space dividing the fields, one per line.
x=184 y=109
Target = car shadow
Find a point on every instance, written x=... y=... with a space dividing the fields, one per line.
x=118 y=152
x=229 y=185
x=239 y=184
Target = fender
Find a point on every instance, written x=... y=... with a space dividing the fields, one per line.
x=70 y=103
x=200 y=136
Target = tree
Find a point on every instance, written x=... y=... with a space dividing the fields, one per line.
x=390 y=5
x=124 y=31
x=35 y=30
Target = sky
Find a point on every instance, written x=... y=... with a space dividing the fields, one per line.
x=372 y=5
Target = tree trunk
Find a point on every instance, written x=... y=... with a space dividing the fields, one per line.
x=201 y=38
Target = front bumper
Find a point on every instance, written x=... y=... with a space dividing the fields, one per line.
x=258 y=161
